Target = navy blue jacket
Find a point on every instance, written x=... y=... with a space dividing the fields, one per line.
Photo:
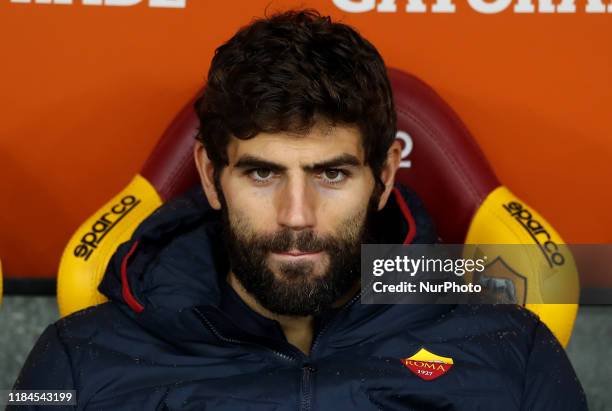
x=175 y=337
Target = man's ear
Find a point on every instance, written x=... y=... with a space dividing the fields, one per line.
x=394 y=156
x=206 y=170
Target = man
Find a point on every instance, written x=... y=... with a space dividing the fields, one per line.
x=243 y=294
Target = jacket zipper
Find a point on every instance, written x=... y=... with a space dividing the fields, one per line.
x=220 y=336
x=307 y=368
x=326 y=327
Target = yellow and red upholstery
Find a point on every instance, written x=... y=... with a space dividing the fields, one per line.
x=469 y=205
x=441 y=162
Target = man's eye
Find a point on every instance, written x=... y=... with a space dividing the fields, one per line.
x=261 y=175
x=333 y=176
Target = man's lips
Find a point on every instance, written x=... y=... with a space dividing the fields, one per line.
x=294 y=253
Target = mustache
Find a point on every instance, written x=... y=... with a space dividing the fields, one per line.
x=303 y=241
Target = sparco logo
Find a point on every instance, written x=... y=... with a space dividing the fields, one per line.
x=537 y=231
x=104 y=224
x=481 y=6
x=176 y=4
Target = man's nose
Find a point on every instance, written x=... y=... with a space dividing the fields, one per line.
x=296 y=205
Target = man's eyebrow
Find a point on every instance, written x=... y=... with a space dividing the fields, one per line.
x=338 y=161
x=251 y=161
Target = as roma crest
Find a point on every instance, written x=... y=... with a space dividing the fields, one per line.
x=427 y=365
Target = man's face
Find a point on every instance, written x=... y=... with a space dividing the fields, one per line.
x=295 y=211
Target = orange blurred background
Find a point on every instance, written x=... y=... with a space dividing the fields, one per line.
x=87 y=90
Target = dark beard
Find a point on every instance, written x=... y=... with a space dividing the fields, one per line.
x=297 y=292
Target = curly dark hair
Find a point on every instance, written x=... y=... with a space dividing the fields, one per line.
x=285 y=73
